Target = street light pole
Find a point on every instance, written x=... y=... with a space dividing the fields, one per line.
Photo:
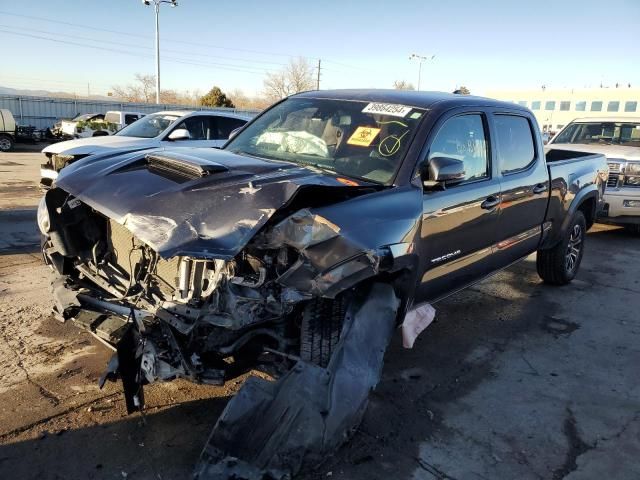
x=420 y=59
x=156 y=4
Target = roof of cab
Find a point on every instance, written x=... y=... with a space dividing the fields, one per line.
x=418 y=99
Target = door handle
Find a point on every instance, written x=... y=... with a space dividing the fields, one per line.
x=539 y=188
x=491 y=202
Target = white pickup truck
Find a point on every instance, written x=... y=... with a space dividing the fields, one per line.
x=619 y=139
x=98 y=124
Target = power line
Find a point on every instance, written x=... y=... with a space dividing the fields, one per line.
x=91 y=27
x=221 y=66
x=128 y=45
x=184 y=42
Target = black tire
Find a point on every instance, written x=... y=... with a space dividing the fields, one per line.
x=6 y=143
x=560 y=264
x=320 y=331
x=633 y=229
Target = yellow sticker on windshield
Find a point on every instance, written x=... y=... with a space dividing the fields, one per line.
x=363 y=136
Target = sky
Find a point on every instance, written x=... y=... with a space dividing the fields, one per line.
x=64 y=45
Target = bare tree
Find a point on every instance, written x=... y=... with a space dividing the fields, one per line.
x=143 y=90
x=242 y=100
x=403 y=85
x=295 y=77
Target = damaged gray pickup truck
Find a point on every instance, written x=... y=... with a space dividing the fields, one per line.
x=300 y=246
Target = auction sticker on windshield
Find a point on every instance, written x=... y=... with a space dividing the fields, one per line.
x=387 y=109
x=363 y=136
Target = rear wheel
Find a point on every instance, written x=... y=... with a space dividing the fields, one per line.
x=559 y=265
x=6 y=143
x=322 y=323
x=635 y=229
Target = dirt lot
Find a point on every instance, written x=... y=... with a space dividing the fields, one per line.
x=515 y=380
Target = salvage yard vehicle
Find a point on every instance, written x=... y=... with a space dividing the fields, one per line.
x=97 y=124
x=170 y=128
x=298 y=248
x=619 y=139
x=7 y=130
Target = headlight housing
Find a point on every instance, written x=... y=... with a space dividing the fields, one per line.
x=632 y=174
x=44 y=224
x=59 y=161
x=633 y=168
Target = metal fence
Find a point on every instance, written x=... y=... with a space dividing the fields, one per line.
x=43 y=112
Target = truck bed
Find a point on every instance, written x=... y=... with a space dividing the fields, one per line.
x=574 y=175
x=554 y=155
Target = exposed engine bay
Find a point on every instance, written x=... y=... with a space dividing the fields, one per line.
x=202 y=318
x=280 y=305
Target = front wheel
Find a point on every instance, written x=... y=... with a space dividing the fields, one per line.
x=322 y=323
x=559 y=265
x=6 y=143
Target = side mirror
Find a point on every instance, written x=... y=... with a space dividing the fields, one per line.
x=234 y=132
x=443 y=170
x=179 y=134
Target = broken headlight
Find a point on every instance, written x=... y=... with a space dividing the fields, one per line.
x=59 y=161
x=43 y=217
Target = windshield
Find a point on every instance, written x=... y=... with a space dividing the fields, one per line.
x=148 y=127
x=604 y=133
x=357 y=139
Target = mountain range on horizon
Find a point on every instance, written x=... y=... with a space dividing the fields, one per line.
x=48 y=93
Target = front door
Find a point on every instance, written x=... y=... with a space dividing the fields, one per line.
x=459 y=223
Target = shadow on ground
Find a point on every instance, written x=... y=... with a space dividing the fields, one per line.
x=19 y=231
x=163 y=445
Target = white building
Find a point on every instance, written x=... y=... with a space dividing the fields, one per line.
x=554 y=108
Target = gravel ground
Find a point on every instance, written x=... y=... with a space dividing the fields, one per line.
x=514 y=380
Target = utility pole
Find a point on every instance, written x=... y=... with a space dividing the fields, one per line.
x=420 y=59
x=318 y=80
x=88 y=90
x=156 y=4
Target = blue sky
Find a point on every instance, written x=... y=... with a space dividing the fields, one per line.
x=480 y=44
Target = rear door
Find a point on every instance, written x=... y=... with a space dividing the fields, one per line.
x=459 y=223
x=224 y=126
x=524 y=183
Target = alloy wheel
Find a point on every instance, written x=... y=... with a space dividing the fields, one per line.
x=573 y=248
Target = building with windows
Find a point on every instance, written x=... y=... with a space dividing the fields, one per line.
x=554 y=108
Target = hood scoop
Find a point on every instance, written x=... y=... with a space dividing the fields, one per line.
x=181 y=167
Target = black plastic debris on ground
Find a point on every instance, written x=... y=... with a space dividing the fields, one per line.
x=272 y=430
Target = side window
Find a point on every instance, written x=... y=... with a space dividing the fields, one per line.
x=128 y=118
x=515 y=143
x=463 y=138
x=196 y=126
x=223 y=126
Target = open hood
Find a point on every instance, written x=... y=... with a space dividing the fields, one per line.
x=204 y=203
